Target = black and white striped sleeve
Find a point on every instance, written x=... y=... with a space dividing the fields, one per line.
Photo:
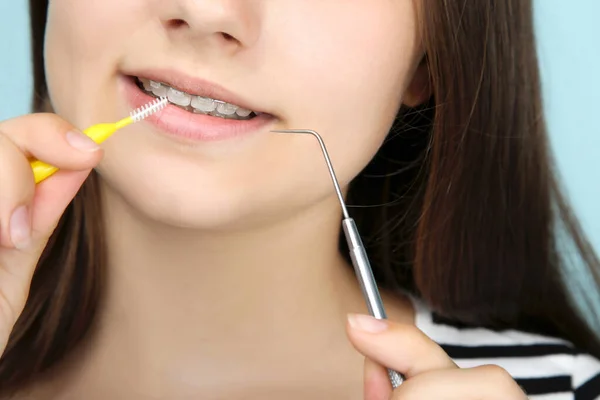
x=586 y=377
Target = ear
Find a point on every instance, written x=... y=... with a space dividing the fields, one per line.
x=419 y=90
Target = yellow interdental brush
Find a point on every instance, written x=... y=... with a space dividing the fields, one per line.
x=100 y=132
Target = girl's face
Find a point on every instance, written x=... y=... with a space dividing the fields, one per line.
x=340 y=69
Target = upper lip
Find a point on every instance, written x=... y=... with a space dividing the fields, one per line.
x=193 y=86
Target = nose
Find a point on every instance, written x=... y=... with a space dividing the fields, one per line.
x=229 y=24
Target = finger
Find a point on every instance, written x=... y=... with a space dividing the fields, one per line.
x=51 y=139
x=16 y=192
x=487 y=382
x=376 y=381
x=403 y=348
x=51 y=198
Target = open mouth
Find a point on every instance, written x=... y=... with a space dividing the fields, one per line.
x=195 y=104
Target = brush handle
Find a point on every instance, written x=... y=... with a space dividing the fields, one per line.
x=98 y=133
x=42 y=170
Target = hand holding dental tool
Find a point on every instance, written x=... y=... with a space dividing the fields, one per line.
x=358 y=254
x=100 y=132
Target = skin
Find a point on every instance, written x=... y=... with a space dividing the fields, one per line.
x=233 y=285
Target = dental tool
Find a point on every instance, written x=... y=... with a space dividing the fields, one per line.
x=100 y=132
x=358 y=254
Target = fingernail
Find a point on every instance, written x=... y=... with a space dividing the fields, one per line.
x=20 y=228
x=367 y=323
x=81 y=142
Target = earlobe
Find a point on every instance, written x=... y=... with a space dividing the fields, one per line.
x=419 y=90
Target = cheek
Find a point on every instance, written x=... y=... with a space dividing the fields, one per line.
x=82 y=45
x=346 y=76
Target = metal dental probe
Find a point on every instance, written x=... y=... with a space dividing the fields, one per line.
x=358 y=254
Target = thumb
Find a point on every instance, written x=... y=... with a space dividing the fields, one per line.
x=401 y=347
x=376 y=381
x=52 y=197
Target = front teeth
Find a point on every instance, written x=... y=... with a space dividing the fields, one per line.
x=180 y=98
x=198 y=104
x=204 y=104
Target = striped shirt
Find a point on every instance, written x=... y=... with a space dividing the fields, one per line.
x=546 y=368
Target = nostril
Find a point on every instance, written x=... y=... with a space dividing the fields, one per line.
x=176 y=23
x=228 y=37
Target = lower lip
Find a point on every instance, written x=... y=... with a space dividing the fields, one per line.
x=197 y=127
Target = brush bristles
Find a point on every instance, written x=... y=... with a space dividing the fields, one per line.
x=149 y=109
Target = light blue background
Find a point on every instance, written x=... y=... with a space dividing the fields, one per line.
x=569 y=47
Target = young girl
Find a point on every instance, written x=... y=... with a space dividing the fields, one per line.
x=200 y=257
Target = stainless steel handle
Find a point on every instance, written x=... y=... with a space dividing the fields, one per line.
x=364 y=273
x=357 y=250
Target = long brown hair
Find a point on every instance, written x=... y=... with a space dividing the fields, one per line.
x=460 y=205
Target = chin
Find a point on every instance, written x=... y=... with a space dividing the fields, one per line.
x=172 y=203
x=206 y=203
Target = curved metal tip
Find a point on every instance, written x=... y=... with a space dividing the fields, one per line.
x=336 y=184
x=307 y=131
